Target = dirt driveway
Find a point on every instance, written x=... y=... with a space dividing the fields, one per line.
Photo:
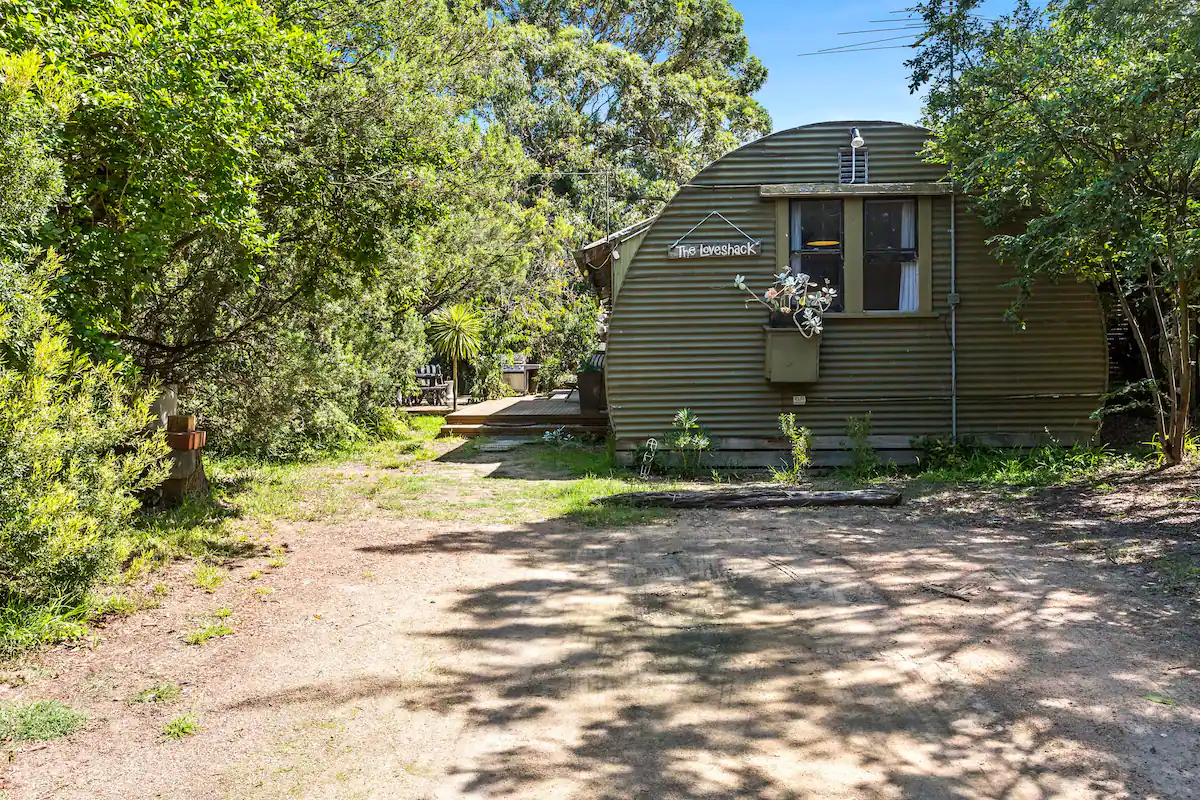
x=839 y=654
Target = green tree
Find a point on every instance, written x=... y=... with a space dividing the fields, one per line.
x=1081 y=122
x=637 y=95
x=456 y=332
x=73 y=444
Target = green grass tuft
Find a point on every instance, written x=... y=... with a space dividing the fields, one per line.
x=208 y=577
x=38 y=721
x=210 y=629
x=181 y=727
x=163 y=693
x=25 y=627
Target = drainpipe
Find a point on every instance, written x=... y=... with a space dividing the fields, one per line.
x=953 y=301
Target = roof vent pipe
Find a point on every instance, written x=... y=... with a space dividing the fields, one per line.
x=856 y=141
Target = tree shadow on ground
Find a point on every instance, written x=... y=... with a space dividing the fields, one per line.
x=845 y=653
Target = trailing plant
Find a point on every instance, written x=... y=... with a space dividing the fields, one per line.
x=800 y=441
x=689 y=441
x=795 y=297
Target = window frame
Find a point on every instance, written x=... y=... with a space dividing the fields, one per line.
x=916 y=250
x=853 y=250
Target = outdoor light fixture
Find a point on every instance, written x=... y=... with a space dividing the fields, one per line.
x=856 y=139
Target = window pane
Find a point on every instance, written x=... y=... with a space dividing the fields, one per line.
x=889 y=225
x=890 y=270
x=816 y=225
x=822 y=267
x=881 y=286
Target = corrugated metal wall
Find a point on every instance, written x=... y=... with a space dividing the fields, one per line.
x=681 y=336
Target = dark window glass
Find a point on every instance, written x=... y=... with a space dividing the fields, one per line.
x=816 y=242
x=890 y=270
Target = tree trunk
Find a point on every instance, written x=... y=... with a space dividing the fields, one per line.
x=1181 y=409
x=454 y=384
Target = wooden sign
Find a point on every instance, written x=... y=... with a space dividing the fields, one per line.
x=743 y=249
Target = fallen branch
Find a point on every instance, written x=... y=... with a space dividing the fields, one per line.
x=751 y=498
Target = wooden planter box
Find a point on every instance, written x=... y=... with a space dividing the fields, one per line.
x=792 y=357
x=591 y=393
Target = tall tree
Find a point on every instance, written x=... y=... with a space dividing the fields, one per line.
x=1081 y=120
x=620 y=101
x=231 y=162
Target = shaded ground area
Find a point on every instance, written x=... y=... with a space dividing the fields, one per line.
x=417 y=648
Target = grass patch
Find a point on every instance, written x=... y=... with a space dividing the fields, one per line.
x=575 y=462
x=40 y=720
x=1179 y=572
x=209 y=629
x=120 y=605
x=208 y=577
x=27 y=626
x=163 y=693
x=181 y=727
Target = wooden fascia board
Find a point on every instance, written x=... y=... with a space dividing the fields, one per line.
x=776 y=190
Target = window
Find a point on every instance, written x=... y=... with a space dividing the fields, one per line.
x=816 y=243
x=890 y=271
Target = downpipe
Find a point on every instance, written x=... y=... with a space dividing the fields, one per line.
x=953 y=302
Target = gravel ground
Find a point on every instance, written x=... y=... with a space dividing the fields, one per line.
x=953 y=647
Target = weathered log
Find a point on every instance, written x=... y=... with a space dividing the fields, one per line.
x=752 y=498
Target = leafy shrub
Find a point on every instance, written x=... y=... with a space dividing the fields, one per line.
x=1052 y=464
x=864 y=461
x=74 y=453
x=800 y=440
x=318 y=383
x=487 y=380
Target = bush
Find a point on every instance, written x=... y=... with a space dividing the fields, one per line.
x=864 y=461
x=1052 y=464
x=74 y=453
x=316 y=384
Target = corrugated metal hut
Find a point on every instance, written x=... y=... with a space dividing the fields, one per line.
x=919 y=338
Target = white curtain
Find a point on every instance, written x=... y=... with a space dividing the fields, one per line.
x=910 y=291
x=797 y=234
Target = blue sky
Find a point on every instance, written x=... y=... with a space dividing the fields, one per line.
x=868 y=85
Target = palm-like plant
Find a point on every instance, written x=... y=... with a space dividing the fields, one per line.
x=456 y=333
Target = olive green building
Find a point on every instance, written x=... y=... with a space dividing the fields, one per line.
x=919 y=339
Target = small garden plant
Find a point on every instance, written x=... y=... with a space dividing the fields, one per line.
x=864 y=460
x=689 y=441
x=800 y=442
x=181 y=727
x=209 y=629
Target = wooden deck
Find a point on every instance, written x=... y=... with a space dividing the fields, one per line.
x=516 y=416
